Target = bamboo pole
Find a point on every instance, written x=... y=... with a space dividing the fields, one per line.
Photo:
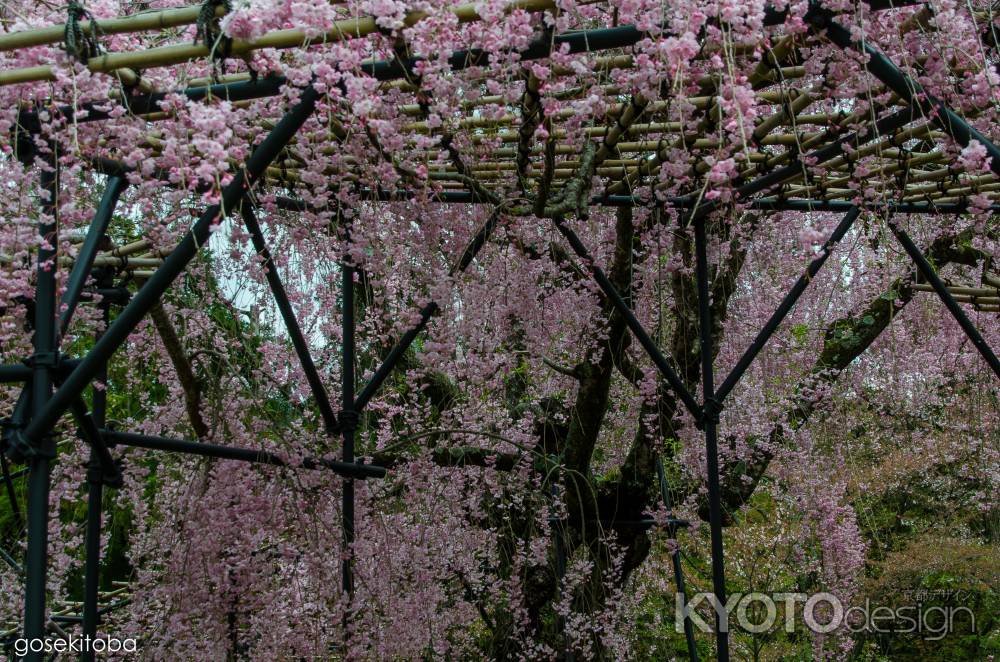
x=141 y=22
x=163 y=56
x=958 y=193
x=129 y=249
x=977 y=292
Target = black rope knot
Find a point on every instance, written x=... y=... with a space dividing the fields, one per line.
x=208 y=32
x=77 y=43
x=19 y=450
x=48 y=360
x=817 y=16
x=99 y=474
x=710 y=411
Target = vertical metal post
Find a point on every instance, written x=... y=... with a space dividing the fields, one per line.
x=675 y=560
x=710 y=421
x=348 y=418
x=95 y=502
x=36 y=563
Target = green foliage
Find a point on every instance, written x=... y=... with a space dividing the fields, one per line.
x=953 y=584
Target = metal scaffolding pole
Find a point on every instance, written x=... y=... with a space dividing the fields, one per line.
x=202 y=449
x=908 y=89
x=680 y=202
x=630 y=319
x=559 y=549
x=8 y=481
x=348 y=423
x=675 y=560
x=710 y=422
x=785 y=306
x=396 y=353
x=88 y=251
x=291 y=323
x=575 y=41
x=33 y=441
x=95 y=502
x=41 y=451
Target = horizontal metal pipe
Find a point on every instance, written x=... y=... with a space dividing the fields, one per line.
x=14 y=372
x=351 y=470
x=672 y=523
x=21 y=372
x=584 y=40
x=579 y=41
x=762 y=204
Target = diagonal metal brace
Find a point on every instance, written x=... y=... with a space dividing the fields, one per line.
x=291 y=323
x=963 y=320
x=630 y=319
x=908 y=89
x=396 y=353
x=786 y=306
x=232 y=195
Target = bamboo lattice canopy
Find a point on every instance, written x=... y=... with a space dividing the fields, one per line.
x=499 y=143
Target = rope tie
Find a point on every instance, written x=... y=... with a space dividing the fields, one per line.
x=709 y=413
x=283 y=165
x=79 y=44
x=903 y=165
x=208 y=32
